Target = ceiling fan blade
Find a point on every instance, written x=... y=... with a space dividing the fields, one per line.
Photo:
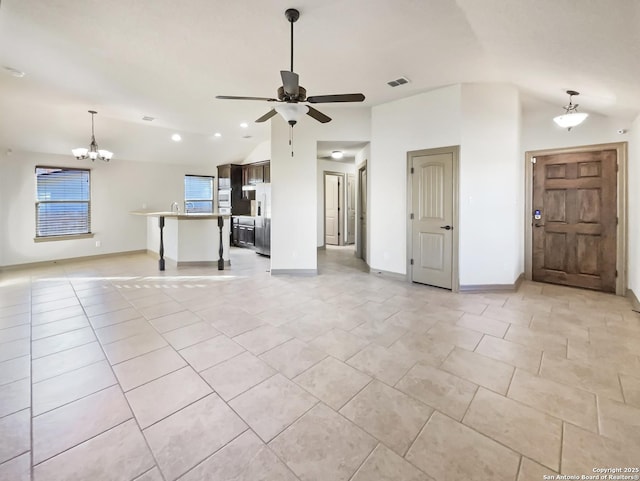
x=267 y=116
x=319 y=116
x=323 y=99
x=233 y=97
x=290 y=82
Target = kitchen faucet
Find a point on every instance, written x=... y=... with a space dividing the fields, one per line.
x=175 y=208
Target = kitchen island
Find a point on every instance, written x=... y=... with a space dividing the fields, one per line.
x=191 y=239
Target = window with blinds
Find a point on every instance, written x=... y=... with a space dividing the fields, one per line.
x=63 y=202
x=198 y=193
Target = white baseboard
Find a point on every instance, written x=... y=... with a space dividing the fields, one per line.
x=66 y=260
x=493 y=287
x=635 y=303
x=388 y=274
x=294 y=272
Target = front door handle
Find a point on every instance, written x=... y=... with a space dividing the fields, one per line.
x=446 y=227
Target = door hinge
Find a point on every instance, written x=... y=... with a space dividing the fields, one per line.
x=616 y=221
x=412 y=170
x=411 y=262
x=533 y=160
x=616 y=273
x=411 y=216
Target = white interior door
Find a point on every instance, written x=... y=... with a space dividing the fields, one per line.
x=432 y=223
x=332 y=209
x=351 y=209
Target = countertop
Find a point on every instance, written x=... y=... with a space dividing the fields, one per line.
x=182 y=216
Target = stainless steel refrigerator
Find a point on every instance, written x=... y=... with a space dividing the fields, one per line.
x=263 y=219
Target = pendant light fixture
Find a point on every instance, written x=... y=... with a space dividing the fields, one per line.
x=92 y=152
x=571 y=116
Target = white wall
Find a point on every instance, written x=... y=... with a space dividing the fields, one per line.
x=484 y=119
x=294 y=222
x=491 y=185
x=424 y=121
x=634 y=207
x=331 y=166
x=116 y=189
x=261 y=152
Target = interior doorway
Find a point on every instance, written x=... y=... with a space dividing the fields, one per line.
x=361 y=237
x=334 y=208
x=576 y=217
x=350 y=235
x=432 y=229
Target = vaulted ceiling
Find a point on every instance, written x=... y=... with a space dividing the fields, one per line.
x=169 y=59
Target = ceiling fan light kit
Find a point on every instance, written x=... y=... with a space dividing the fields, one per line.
x=291 y=93
x=93 y=152
x=292 y=112
x=571 y=117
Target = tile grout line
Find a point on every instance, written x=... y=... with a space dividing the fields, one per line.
x=365 y=459
x=31 y=474
x=624 y=399
x=598 y=417
x=83 y=441
x=520 y=462
x=562 y=434
x=125 y=399
x=67 y=349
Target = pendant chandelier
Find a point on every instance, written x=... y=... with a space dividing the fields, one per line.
x=92 y=152
x=571 y=116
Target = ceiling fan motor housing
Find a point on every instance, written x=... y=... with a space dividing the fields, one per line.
x=284 y=97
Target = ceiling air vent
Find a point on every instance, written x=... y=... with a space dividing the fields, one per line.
x=398 y=81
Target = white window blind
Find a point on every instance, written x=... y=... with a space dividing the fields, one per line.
x=198 y=193
x=63 y=202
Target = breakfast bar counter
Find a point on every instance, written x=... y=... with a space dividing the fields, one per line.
x=190 y=239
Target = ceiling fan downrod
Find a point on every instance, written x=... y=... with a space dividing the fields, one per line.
x=292 y=15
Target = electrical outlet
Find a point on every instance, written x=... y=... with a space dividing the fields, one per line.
x=98 y=243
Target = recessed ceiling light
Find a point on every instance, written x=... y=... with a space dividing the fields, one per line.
x=244 y=125
x=176 y=137
x=217 y=134
x=14 y=71
x=148 y=119
x=337 y=154
x=247 y=136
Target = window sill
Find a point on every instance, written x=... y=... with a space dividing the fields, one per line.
x=63 y=237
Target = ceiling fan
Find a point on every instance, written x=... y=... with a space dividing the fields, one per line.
x=291 y=94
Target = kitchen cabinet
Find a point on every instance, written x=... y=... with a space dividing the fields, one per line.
x=230 y=179
x=224 y=177
x=256 y=173
x=244 y=231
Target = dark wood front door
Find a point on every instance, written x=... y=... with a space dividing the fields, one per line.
x=574 y=241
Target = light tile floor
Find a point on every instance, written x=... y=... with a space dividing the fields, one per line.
x=112 y=370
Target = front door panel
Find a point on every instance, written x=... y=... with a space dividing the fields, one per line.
x=574 y=240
